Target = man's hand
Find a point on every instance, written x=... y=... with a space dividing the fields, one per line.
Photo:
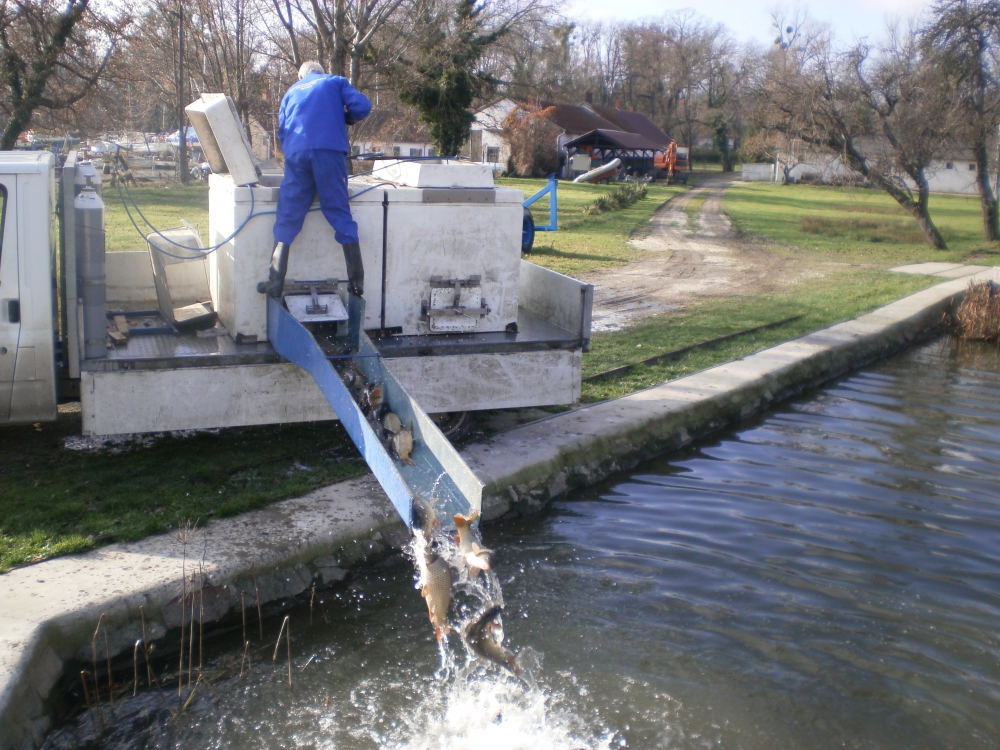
x=348 y=120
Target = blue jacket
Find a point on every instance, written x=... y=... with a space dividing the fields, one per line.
x=312 y=113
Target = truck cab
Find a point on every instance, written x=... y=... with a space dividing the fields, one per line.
x=28 y=302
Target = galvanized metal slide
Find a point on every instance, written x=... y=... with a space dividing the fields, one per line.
x=435 y=473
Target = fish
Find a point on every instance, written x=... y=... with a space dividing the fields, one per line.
x=424 y=517
x=476 y=557
x=376 y=395
x=402 y=445
x=437 y=591
x=392 y=423
x=479 y=636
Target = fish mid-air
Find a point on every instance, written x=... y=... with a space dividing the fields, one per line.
x=479 y=636
x=424 y=517
x=436 y=576
x=475 y=556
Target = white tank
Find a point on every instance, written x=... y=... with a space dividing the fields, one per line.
x=85 y=171
x=89 y=210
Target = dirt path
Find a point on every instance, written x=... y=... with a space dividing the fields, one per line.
x=683 y=262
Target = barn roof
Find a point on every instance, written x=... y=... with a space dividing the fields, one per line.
x=632 y=122
x=615 y=139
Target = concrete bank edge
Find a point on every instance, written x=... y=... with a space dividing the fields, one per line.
x=297 y=543
x=528 y=466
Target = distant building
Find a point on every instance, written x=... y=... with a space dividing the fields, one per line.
x=621 y=129
x=393 y=133
x=952 y=171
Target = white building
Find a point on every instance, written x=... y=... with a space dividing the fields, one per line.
x=953 y=172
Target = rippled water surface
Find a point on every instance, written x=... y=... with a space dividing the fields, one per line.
x=828 y=576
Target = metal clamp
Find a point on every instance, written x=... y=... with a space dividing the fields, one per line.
x=455 y=310
x=438 y=282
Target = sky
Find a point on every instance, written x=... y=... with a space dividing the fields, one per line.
x=751 y=19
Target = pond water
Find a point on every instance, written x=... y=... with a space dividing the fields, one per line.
x=826 y=576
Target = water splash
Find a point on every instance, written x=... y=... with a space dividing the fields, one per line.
x=487 y=709
x=477 y=704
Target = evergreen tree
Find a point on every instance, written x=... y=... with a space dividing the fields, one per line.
x=443 y=83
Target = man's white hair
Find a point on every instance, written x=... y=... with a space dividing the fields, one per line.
x=310 y=67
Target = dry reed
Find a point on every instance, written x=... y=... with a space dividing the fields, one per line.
x=286 y=630
x=256 y=596
x=978 y=316
x=107 y=653
x=135 y=668
x=145 y=649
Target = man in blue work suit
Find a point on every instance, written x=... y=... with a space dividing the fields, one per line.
x=312 y=128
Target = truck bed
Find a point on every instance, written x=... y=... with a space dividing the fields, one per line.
x=216 y=348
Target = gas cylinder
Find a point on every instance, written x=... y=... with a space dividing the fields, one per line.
x=88 y=209
x=86 y=171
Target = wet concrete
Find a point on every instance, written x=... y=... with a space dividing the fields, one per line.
x=50 y=609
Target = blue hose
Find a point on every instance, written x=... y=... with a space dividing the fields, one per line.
x=211 y=249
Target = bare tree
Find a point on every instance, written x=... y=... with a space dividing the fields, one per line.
x=343 y=30
x=884 y=114
x=227 y=36
x=964 y=36
x=532 y=136
x=50 y=58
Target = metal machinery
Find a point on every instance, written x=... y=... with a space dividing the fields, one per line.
x=458 y=321
x=673 y=163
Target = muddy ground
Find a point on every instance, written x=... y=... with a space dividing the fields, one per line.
x=687 y=261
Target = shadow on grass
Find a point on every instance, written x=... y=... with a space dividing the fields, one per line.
x=551 y=252
x=58 y=501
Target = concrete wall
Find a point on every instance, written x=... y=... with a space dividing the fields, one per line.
x=758 y=172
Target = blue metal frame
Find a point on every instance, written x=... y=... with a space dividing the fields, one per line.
x=438 y=474
x=550 y=188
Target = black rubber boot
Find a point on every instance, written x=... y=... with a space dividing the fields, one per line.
x=355 y=268
x=276 y=273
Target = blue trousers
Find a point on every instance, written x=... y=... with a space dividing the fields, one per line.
x=307 y=173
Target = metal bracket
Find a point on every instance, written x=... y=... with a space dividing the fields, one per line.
x=438 y=282
x=317 y=286
x=315 y=308
x=316 y=301
x=455 y=310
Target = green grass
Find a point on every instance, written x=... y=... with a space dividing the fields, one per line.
x=855 y=225
x=588 y=242
x=164 y=205
x=59 y=501
x=838 y=296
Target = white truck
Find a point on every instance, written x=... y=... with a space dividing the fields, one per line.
x=460 y=319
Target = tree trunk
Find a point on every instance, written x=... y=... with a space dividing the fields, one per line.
x=923 y=217
x=918 y=208
x=988 y=201
x=355 y=72
x=19 y=121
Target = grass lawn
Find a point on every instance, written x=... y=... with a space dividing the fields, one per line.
x=164 y=205
x=58 y=501
x=855 y=225
x=820 y=302
x=863 y=231
x=588 y=242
